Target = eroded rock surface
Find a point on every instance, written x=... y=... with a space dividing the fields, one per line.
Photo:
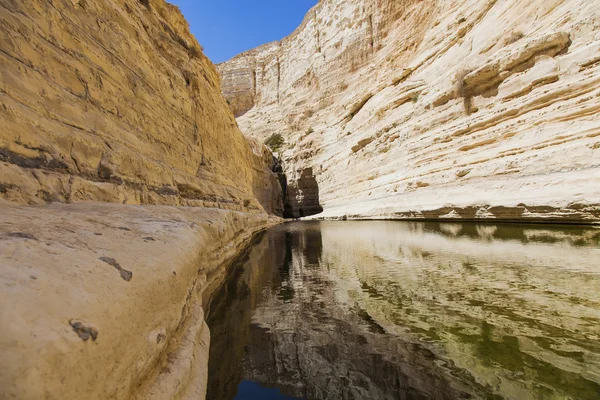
x=427 y=109
x=114 y=101
x=73 y=326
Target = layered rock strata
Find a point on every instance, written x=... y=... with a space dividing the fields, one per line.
x=114 y=101
x=104 y=301
x=437 y=110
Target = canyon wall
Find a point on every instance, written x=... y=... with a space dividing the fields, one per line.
x=114 y=101
x=106 y=102
x=426 y=109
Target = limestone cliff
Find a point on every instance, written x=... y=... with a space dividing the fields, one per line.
x=115 y=101
x=428 y=109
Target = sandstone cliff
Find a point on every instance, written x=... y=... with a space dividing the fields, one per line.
x=115 y=101
x=427 y=109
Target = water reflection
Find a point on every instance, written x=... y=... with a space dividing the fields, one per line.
x=395 y=310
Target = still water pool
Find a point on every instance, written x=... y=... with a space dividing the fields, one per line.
x=400 y=310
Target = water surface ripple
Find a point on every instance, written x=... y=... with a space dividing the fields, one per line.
x=400 y=310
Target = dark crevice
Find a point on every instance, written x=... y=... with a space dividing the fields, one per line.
x=39 y=162
x=300 y=197
x=371 y=40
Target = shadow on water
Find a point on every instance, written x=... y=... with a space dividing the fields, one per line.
x=399 y=310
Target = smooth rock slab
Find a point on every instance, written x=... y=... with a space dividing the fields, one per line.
x=72 y=325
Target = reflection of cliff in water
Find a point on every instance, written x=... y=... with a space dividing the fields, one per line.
x=391 y=310
x=310 y=353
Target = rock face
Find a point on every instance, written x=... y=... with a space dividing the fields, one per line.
x=114 y=101
x=426 y=109
x=105 y=301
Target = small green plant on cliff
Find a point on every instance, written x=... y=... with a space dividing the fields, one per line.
x=275 y=142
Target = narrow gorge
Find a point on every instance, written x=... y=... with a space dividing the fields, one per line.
x=147 y=248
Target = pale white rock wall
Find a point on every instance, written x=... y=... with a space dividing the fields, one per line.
x=428 y=109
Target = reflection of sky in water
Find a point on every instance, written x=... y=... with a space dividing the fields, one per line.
x=253 y=391
x=501 y=311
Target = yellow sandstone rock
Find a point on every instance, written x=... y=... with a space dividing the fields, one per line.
x=104 y=301
x=114 y=101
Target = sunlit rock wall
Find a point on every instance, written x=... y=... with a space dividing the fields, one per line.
x=427 y=109
x=105 y=301
x=114 y=101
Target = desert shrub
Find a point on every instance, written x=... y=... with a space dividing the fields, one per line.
x=275 y=142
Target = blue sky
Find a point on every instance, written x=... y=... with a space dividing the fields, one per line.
x=228 y=27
